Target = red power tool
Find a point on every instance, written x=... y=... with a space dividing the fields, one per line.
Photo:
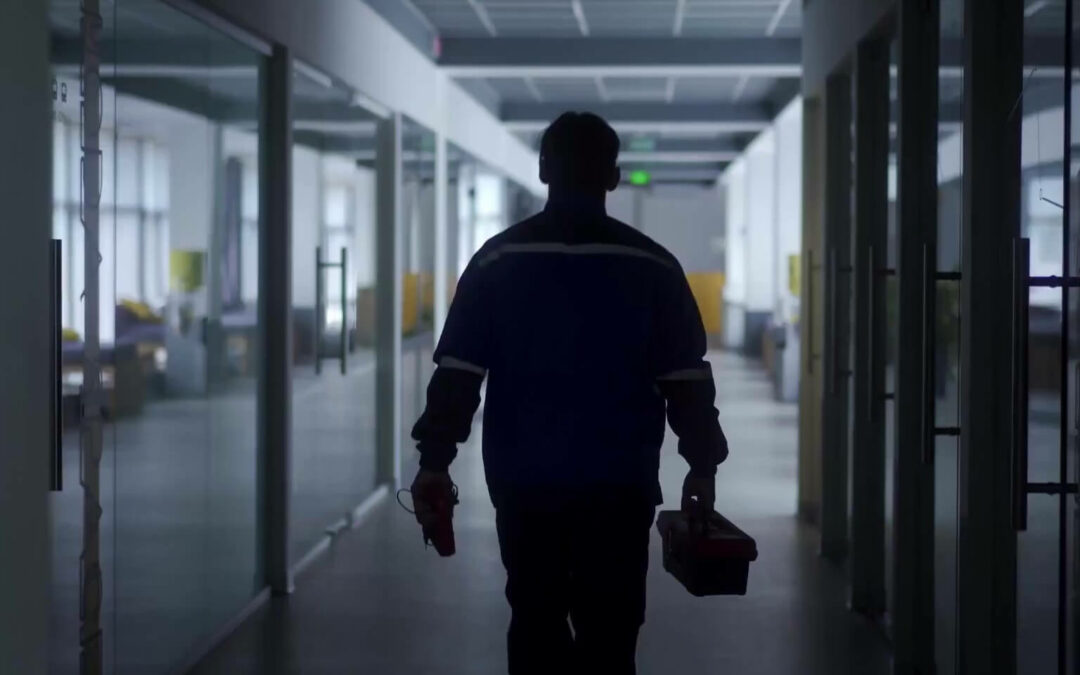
x=434 y=510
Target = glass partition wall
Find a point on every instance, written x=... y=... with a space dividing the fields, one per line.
x=333 y=309
x=418 y=276
x=945 y=387
x=72 y=223
x=887 y=280
x=1046 y=581
x=178 y=334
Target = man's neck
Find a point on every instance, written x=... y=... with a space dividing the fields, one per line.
x=577 y=201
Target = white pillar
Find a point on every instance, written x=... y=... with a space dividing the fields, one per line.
x=441 y=248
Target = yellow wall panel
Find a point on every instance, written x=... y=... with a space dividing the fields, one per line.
x=708 y=290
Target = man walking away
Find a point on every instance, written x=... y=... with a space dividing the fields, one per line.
x=588 y=333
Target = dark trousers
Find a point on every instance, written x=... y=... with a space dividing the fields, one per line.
x=582 y=559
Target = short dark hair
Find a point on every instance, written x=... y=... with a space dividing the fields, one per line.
x=579 y=150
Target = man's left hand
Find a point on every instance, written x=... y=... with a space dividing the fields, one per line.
x=699 y=494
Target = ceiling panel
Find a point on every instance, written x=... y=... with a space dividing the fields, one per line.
x=636 y=88
x=567 y=89
x=512 y=88
x=543 y=18
x=703 y=89
x=630 y=89
x=757 y=88
x=452 y=17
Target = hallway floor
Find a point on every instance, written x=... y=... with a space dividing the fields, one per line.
x=377 y=602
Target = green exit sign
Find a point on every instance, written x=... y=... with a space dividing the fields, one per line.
x=640 y=177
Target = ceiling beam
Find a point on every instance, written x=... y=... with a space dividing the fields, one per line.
x=413 y=24
x=646 y=117
x=608 y=57
x=633 y=143
x=682 y=157
x=777 y=18
x=685 y=145
x=579 y=14
x=483 y=16
x=680 y=16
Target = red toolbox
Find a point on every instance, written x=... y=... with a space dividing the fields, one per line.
x=709 y=556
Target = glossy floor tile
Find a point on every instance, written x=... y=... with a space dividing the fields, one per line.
x=377 y=602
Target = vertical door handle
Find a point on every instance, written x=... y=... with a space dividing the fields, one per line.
x=871 y=352
x=318 y=310
x=832 y=301
x=1076 y=397
x=56 y=383
x=1020 y=307
x=809 y=328
x=344 y=305
x=929 y=287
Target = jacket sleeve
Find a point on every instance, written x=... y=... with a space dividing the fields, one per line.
x=685 y=379
x=461 y=360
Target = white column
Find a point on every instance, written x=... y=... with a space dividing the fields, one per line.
x=441 y=248
x=760 y=223
x=734 y=180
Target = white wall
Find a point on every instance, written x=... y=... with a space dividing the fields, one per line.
x=764 y=215
x=760 y=225
x=763 y=221
x=364 y=210
x=734 y=182
x=788 y=204
x=684 y=219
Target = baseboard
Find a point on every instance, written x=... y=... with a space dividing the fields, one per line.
x=364 y=508
x=353 y=520
x=203 y=649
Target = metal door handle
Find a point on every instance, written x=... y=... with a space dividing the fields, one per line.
x=808 y=272
x=1020 y=307
x=832 y=372
x=344 y=315
x=318 y=309
x=871 y=353
x=56 y=395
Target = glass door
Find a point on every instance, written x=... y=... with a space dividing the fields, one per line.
x=1071 y=506
x=418 y=283
x=156 y=213
x=1044 y=255
x=186 y=339
x=82 y=500
x=333 y=312
x=944 y=384
x=886 y=280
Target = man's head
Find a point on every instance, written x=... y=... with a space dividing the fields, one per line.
x=578 y=153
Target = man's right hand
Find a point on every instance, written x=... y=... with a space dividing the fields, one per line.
x=434 y=497
x=698 y=494
x=429 y=488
